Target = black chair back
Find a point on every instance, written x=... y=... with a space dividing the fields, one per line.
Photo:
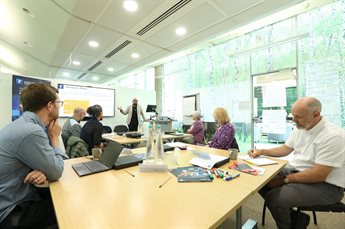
x=120 y=129
x=107 y=130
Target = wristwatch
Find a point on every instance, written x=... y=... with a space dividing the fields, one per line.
x=286 y=180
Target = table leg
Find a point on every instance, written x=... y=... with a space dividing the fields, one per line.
x=239 y=218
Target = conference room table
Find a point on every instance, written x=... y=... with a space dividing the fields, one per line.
x=116 y=199
x=126 y=140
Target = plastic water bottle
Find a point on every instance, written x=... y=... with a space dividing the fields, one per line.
x=150 y=145
x=159 y=145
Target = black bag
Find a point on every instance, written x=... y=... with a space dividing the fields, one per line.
x=299 y=220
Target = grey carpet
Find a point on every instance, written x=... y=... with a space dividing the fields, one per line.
x=252 y=209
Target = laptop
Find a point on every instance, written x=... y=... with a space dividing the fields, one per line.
x=129 y=161
x=105 y=162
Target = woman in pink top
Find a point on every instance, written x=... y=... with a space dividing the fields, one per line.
x=197 y=129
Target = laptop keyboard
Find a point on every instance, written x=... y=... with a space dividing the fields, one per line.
x=95 y=166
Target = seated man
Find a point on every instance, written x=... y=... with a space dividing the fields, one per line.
x=315 y=176
x=72 y=125
x=29 y=156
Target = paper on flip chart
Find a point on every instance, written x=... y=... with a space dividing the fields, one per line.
x=258 y=160
x=206 y=160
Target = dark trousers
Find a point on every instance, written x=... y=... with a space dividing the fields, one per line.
x=281 y=199
x=32 y=214
x=133 y=126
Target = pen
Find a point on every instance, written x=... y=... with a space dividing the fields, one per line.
x=220 y=173
x=216 y=173
x=130 y=173
x=210 y=174
x=224 y=171
x=164 y=182
x=231 y=177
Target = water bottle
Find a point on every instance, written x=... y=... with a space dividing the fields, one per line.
x=159 y=145
x=150 y=145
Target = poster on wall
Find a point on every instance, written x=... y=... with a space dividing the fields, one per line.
x=18 y=84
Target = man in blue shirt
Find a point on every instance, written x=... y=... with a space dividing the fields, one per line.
x=29 y=156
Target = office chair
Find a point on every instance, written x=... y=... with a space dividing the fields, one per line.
x=337 y=207
x=120 y=129
x=107 y=130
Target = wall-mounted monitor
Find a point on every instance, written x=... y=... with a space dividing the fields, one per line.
x=18 y=84
x=85 y=96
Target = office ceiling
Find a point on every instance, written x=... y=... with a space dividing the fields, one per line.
x=44 y=37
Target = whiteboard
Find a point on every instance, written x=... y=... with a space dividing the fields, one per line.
x=84 y=97
x=189 y=107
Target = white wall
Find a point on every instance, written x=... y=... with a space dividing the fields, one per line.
x=123 y=98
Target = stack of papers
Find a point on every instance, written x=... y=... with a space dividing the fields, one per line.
x=258 y=160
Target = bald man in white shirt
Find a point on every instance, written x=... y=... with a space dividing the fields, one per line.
x=315 y=176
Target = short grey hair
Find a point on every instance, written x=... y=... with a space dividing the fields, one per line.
x=197 y=114
x=314 y=104
x=78 y=110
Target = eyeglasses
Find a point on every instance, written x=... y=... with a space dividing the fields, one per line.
x=60 y=103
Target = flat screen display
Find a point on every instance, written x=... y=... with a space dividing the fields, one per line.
x=85 y=96
x=18 y=84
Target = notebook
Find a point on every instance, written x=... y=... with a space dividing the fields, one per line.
x=129 y=160
x=106 y=161
x=191 y=174
x=208 y=161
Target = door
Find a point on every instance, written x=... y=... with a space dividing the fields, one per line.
x=273 y=95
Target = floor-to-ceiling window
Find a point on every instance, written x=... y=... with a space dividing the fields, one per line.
x=312 y=42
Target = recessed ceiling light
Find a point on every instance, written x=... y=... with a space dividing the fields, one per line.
x=95 y=78
x=110 y=69
x=27 y=44
x=130 y=5
x=135 y=55
x=180 y=31
x=93 y=44
x=65 y=74
x=75 y=62
x=28 y=12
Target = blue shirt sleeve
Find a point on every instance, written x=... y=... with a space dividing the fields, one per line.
x=36 y=152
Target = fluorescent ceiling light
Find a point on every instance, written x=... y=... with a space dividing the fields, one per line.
x=95 y=78
x=135 y=55
x=75 y=62
x=110 y=69
x=4 y=17
x=65 y=74
x=130 y=5
x=180 y=31
x=93 y=44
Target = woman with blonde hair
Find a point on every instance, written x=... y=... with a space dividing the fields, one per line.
x=224 y=138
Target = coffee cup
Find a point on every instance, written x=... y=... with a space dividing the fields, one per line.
x=96 y=153
x=233 y=153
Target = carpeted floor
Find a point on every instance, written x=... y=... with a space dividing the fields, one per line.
x=252 y=209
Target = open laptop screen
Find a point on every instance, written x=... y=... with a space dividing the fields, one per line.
x=107 y=157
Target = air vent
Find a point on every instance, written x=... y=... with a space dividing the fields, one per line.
x=163 y=16
x=81 y=76
x=95 y=65
x=118 y=48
